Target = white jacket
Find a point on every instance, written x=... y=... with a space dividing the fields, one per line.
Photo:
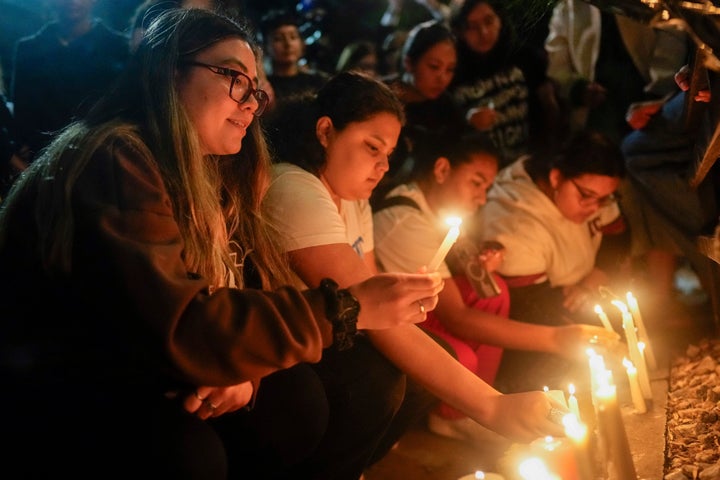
x=573 y=45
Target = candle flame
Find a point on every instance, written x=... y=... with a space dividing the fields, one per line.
x=453 y=221
x=574 y=428
x=571 y=389
x=534 y=468
x=479 y=475
x=598 y=309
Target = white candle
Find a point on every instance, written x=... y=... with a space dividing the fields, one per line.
x=577 y=432
x=450 y=238
x=556 y=395
x=635 y=355
x=572 y=401
x=642 y=332
x=635 y=391
x=612 y=431
x=604 y=318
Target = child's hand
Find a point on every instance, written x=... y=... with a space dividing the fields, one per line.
x=491 y=255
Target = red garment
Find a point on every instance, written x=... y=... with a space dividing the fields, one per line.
x=483 y=360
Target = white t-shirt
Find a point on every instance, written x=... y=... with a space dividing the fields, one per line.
x=407 y=238
x=536 y=235
x=300 y=206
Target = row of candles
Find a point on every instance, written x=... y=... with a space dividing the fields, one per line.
x=573 y=457
x=570 y=458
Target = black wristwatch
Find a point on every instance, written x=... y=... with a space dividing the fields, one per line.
x=341 y=309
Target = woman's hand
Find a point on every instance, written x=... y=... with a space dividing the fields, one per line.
x=594 y=95
x=639 y=113
x=482 y=118
x=573 y=340
x=524 y=417
x=391 y=299
x=576 y=297
x=491 y=255
x=682 y=79
x=206 y=402
x=580 y=294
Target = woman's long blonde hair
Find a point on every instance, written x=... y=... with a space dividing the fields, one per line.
x=216 y=201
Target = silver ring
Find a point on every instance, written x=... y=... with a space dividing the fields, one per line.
x=197 y=395
x=211 y=405
x=555 y=415
x=422 y=307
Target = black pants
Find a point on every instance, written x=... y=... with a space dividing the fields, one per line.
x=522 y=370
x=364 y=391
x=308 y=422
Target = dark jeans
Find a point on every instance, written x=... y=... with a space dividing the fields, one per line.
x=522 y=370
x=321 y=421
x=128 y=434
x=364 y=391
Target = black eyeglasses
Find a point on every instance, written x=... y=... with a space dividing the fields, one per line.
x=587 y=199
x=241 y=86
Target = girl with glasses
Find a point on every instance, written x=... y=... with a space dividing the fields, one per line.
x=148 y=326
x=551 y=212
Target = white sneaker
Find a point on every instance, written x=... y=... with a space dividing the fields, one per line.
x=465 y=429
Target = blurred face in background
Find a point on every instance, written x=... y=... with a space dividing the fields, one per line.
x=285 y=45
x=71 y=11
x=482 y=28
x=434 y=70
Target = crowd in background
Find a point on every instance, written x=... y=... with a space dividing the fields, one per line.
x=568 y=174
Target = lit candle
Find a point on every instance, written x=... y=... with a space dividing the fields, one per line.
x=572 y=401
x=450 y=238
x=559 y=456
x=533 y=468
x=635 y=355
x=604 y=318
x=635 y=391
x=577 y=432
x=642 y=333
x=612 y=431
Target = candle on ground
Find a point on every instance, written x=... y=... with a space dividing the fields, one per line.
x=612 y=431
x=633 y=350
x=559 y=456
x=642 y=332
x=635 y=391
x=450 y=238
x=604 y=318
x=577 y=432
x=572 y=401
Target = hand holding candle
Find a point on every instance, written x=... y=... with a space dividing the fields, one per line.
x=450 y=239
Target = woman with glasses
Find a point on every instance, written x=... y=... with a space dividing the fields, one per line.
x=145 y=299
x=551 y=212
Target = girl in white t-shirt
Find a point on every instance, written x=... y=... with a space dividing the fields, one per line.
x=341 y=151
